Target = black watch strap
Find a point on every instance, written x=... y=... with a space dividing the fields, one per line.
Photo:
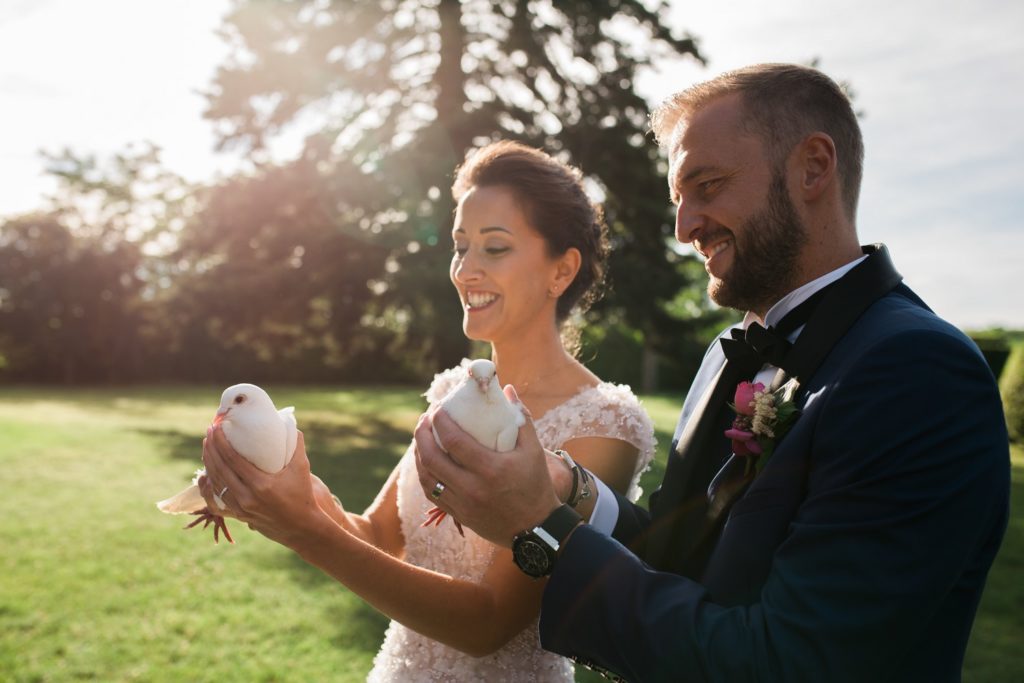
x=559 y=523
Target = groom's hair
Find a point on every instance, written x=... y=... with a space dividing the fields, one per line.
x=782 y=104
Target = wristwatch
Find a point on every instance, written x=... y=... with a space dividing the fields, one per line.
x=535 y=550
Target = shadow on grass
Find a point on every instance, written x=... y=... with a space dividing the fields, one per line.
x=354 y=460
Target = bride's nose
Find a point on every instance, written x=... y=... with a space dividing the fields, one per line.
x=466 y=269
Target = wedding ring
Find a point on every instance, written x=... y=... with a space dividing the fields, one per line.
x=438 y=490
x=222 y=492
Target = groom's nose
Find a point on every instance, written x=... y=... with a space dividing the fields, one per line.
x=689 y=221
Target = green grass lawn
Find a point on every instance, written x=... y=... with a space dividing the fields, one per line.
x=96 y=584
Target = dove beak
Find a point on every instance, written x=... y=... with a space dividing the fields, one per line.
x=482 y=383
x=219 y=417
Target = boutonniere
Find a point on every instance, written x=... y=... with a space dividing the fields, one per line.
x=762 y=418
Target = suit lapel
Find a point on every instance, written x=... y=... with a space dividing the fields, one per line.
x=840 y=309
x=699 y=452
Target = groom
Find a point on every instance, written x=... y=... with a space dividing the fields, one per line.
x=856 y=545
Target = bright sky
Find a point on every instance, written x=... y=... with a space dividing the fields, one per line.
x=942 y=85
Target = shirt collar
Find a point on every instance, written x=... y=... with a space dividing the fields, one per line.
x=798 y=296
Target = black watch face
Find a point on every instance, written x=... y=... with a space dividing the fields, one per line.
x=532 y=557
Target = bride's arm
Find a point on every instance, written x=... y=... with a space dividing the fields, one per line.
x=613 y=461
x=378 y=525
x=475 y=617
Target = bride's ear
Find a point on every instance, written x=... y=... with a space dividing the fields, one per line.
x=566 y=267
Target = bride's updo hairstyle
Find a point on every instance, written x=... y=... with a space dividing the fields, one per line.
x=552 y=197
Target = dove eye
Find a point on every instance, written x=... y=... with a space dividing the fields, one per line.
x=240 y=398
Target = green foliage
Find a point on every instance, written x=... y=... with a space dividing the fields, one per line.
x=995 y=346
x=68 y=306
x=79 y=280
x=1011 y=386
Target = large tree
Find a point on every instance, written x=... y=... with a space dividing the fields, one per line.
x=79 y=278
x=391 y=95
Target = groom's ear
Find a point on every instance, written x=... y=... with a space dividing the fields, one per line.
x=816 y=163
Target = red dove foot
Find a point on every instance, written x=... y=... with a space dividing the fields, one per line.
x=219 y=524
x=436 y=515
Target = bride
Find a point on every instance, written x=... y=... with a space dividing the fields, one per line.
x=529 y=248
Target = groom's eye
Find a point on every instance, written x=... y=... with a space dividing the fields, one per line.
x=707 y=186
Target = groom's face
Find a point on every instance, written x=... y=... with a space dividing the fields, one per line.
x=734 y=206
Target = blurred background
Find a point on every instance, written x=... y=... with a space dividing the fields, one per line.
x=207 y=190
x=199 y=192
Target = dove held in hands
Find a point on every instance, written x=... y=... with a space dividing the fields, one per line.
x=479 y=406
x=259 y=432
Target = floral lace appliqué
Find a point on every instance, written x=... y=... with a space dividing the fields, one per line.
x=606 y=410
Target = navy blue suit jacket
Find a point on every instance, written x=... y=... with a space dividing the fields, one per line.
x=860 y=551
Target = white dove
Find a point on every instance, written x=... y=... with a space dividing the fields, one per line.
x=262 y=434
x=481 y=409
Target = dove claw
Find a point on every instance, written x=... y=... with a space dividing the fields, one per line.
x=219 y=524
x=436 y=515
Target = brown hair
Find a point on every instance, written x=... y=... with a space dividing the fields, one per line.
x=783 y=103
x=551 y=194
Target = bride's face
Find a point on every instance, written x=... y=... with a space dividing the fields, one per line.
x=501 y=268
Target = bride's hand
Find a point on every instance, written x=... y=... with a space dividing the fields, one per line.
x=327 y=501
x=281 y=506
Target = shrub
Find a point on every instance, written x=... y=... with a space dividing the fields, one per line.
x=1011 y=386
x=996 y=349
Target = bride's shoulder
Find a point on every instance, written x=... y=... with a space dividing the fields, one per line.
x=605 y=402
x=445 y=381
x=611 y=395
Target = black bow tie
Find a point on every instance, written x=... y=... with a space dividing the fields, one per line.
x=770 y=345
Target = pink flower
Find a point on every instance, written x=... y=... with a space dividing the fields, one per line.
x=744 y=443
x=744 y=399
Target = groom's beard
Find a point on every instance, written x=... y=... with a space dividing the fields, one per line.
x=767 y=251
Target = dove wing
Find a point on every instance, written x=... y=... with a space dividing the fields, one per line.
x=291 y=433
x=189 y=500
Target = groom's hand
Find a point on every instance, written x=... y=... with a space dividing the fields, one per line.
x=497 y=495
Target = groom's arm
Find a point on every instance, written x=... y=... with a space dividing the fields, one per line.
x=906 y=504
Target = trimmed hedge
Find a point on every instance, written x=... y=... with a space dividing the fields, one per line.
x=1011 y=386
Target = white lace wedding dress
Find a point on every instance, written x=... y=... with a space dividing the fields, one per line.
x=606 y=410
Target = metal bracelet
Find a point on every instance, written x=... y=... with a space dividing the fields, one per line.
x=580 y=480
x=574 y=468
x=585 y=491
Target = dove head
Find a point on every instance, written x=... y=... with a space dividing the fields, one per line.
x=243 y=401
x=482 y=372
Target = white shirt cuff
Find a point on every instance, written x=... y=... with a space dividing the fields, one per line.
x=606 y=509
